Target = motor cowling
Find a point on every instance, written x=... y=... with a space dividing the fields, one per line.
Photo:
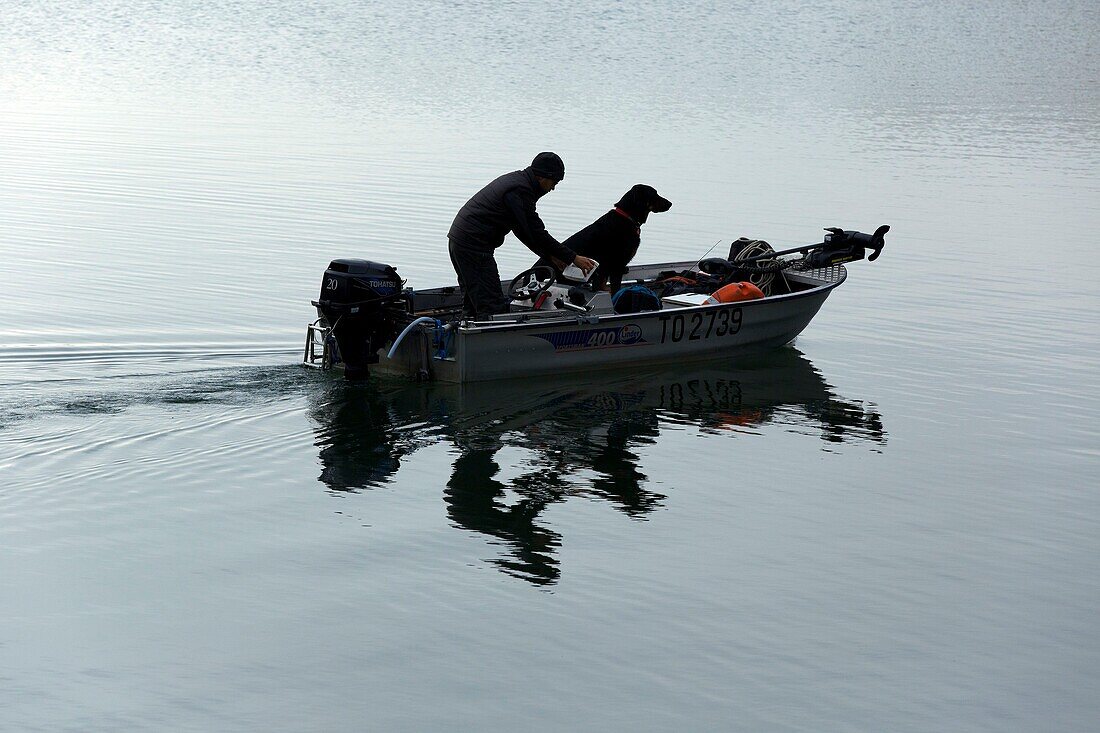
x=348 y=281
x=363 y=303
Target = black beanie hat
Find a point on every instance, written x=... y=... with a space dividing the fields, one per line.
x=548 y=165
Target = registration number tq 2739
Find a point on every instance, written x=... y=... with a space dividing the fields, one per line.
x=676 y=327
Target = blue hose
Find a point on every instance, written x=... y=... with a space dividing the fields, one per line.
x=401 y=337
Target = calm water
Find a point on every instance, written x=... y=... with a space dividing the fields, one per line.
x=892 y=524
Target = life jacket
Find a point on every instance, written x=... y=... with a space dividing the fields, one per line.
x=735 y=292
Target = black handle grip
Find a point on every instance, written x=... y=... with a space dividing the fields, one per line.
x=878 y=241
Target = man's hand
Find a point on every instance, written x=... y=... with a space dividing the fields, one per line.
x=584 y=263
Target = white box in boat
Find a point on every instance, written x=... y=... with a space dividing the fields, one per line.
x=686 y=299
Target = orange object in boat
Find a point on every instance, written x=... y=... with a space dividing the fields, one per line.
x=734 y=292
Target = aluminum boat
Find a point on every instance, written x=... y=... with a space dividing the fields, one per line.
x=370 y=323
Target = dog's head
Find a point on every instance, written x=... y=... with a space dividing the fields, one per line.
x=640 y=200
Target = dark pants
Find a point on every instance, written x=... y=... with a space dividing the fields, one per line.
x=480 y=281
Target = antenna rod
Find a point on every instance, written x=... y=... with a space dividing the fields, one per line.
x=706 y=253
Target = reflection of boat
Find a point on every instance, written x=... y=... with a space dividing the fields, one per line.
x=365 y=431
x=367 y=321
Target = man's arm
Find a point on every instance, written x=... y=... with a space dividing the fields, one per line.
x=530 y=230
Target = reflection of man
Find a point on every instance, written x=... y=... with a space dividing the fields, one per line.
x=474 y=500
x=593 y=433
x=505 y=205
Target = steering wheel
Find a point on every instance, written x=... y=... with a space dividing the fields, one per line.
x=529 y=284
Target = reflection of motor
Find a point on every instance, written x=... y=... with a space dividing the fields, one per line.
x=847 y=246
x=363 y=304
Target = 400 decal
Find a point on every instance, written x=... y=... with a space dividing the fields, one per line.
x=595 y=338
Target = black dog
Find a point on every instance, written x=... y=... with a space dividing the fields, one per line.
x=613 y=239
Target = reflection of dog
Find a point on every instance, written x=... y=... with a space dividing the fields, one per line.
x=613 y=239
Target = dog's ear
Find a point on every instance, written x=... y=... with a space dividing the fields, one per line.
x=655 y=201
x=642 y=199
x=660 y=204
x=633 y=201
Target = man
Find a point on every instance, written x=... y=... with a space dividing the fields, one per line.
x=505 y=205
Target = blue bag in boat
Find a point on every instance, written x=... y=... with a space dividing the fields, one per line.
x=635 y=299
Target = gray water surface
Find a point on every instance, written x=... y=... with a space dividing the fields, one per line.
x=891 y=524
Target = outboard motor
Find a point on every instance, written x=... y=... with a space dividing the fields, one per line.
x=847 y=246
x=364 y=305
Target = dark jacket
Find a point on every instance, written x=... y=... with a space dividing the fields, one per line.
x=506 y=205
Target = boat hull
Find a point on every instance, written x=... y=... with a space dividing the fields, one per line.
x=486 y=351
